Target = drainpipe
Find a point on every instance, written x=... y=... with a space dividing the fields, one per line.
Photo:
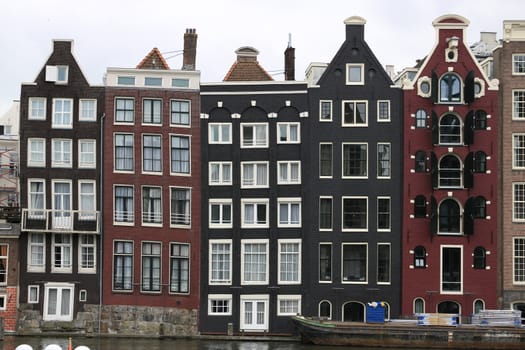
x=101 y=201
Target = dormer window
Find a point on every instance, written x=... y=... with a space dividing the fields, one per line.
x=57 y=74
x=450 y=88
x=354 y=74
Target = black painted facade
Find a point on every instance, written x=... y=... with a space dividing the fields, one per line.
x=253 y=219
x=353 y=226
x=60 y=157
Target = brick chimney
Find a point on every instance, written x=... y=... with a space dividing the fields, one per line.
x=289 y=61
x=190 y=49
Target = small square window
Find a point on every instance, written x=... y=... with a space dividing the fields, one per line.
x=87 y=110
x=220 y=133
x=288 y=133
x=325 y=111
x=354 y=74
x=33 y=294
x=383 y=111
x=37 y=108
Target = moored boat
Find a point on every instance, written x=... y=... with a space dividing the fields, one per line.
x=409 y=335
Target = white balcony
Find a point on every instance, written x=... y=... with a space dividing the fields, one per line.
x=63 y=221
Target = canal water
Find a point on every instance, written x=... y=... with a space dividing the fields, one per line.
x=117 y=343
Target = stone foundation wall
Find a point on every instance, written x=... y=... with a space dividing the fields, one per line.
x=117 y=320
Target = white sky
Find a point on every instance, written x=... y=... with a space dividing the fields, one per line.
x=119 y=33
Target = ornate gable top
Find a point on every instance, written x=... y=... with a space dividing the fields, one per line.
x=246 y=67
x=153 y=60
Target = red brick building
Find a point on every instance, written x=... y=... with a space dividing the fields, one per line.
x=450 y=231
x=152 y=183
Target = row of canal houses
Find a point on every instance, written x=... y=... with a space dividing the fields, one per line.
x=159 y=204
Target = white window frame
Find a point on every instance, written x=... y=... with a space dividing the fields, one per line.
x=516 y=103
x=132 y=211
x=180 y=125
x=54 y=245
x=40 y=212
x=82 y=295
x=66 y=123
x=346 y=281
x=160 y=213
x=264 y=242
x=81 y=246
x=389 y=145
x=325 y=281
x=331 y=160
x=514 y=61
x=31 y=162
x=298 y=253
x=57 y=74
x=36 y=288
x=61 y=163
x=515 y=216
x=288 y=297
x=289 y=202
x=518 y=139
x=30 y=244
x=125 y=122
x=91 y=162
x=331 y=213
x=64 y=221
x=124 y=135
x=350 y=66
x=255 y=142
x=172 y=172
x=211 y=280
x=39 y=113
x=441 y=248
x=284 y=178
x=222 y=181
x=389 y=214
x=153 y=101
x=254 y=298
x=343 y=219
x=255 y=202
x=514 y=257
x=91 y=214
x=389 y=263
x=343 y=176
x=355 y=124
x=154 y=254
x=329 y=102
x=87 y=114
x=388 y=118
x=157 y=137
x=188 y=215
x=287 y=138
x=59 y=316
x=227 y=298
x=221 y=202
x=221 y=137
x=256 y=166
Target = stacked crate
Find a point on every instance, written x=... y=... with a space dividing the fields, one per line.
x=437 y=319
x=497 y=318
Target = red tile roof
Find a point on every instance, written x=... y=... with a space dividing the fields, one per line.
x=247 y=68
x=153 y=60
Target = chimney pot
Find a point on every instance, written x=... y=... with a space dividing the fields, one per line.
x=190 y=49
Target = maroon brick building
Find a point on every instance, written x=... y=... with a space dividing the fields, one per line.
x=152 y=183
x=450 y=232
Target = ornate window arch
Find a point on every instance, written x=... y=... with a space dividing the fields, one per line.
x=450 y=88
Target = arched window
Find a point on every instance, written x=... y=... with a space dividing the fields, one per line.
x=450 y=171
x=450 y=130
x=420 y=257
x=420 y=207
x=480 y=120
x=450 y=88
x=480 y=258
x=419 y=306
x=449 y=217
x=448 y=307
x=353 y=311
x=325 y=310
x=420 y=165
x=421 y=118
x=479 y=305
x=479 y=211
x=480 y=162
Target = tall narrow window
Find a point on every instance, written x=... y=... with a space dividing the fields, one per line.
x=518 y=104
x=449 y=217
x=254 y=261
x=450 y=172
x=325 y=111
x=383 y=111
x=518 y=202
x=4 y=248
x=325 y=262
x=36 y=252
x=220 y=261
x=383 y=213
x=87 y=150
x=450 y=88
x=180 y=206
x=36 y=152
x=151 y=254
x=289 y=270
x=124 y=211
x=124 y=152
x=87 y=253
x=152 y=111
x=325 y=213
x=86 y=200
x=180 y=154
x=384 y=162
x=122 y=266
x=420 y=257
x=451 y=269
x=421 y=118
x=62 y=253
x=355 y=263
x=420 y=164
x=151 y=153
x=325 y=160
x=450 y=130
x=519 y=260
x=179 y=268
x=36 y=200
x=480 y=258
x=518 y=151
x=151 y=205
x=420 y=207
x=383 y=263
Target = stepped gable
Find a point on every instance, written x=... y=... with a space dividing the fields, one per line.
x=153 y=60
x=247 y=68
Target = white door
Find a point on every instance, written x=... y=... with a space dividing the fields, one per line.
x=58 y=302
x=62 y=205
x=254 y=315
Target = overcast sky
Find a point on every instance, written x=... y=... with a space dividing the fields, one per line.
x=119 y=33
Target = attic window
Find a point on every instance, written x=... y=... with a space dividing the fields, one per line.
x=354 y=74
x=183 y=83
x=57 y=74
x=149 y=81
x=123 y=80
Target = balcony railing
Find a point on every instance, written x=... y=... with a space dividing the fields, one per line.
x=64 y=221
